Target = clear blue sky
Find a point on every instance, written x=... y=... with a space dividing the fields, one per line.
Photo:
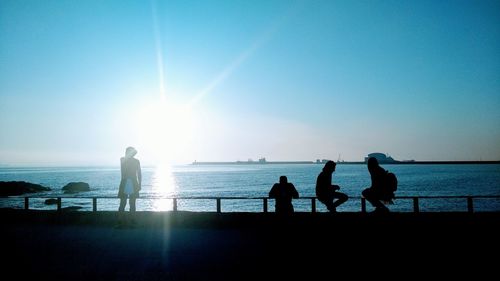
x=231 y=80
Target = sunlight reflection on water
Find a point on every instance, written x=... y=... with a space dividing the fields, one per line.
x=163 y=185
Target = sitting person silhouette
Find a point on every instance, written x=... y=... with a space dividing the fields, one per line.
x=325 y=191
x=375 y=193
x=283 y=192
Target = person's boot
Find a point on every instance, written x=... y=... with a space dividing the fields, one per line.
x=332 y=209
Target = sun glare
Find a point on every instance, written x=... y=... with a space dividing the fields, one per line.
x=163 y=184
x=165 y=130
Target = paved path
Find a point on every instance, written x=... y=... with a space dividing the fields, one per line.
x=207 y=246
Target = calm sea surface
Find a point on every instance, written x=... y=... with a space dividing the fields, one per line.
x=256 y=181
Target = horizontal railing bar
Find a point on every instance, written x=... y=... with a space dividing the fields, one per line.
x=416 y=207
x=243 y=197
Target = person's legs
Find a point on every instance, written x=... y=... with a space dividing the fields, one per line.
x=341 y=198
x=371 y=197
x=328 y=202
x=121 y=213
x=329 y=205
x=123 y=202
x=132 y=204
x=131 y=216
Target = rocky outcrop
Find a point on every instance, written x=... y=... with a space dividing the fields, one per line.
x=12 y=188
x=73 y=187
x=51 y=201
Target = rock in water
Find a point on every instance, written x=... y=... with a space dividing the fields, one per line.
x=51 y=201
x=73 y=187
x=12 y=188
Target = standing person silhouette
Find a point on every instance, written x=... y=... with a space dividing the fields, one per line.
x=375 y=192
x=131 y=178
x=283 y=192
x=326 y=191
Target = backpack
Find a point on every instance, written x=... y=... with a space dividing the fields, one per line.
x=390 y=186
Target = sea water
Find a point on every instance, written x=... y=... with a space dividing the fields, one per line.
x=255 y=180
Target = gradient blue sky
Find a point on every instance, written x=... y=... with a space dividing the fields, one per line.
x=232 y=80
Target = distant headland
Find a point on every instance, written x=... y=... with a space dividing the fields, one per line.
x=381 y=157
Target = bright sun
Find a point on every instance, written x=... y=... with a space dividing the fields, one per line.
x=165 y=129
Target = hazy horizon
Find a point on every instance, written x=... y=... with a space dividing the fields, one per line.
x=237 y=80
x=157 y=165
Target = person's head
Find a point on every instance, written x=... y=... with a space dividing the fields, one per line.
x=372 y=163
x=283 y=180
x=130 y=152
x=329 y=167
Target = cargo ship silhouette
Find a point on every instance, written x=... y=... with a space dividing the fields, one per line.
x=381 y=157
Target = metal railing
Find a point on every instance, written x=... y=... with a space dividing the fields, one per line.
x=415 y=199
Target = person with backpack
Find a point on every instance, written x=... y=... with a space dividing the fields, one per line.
x=383 y=186
x=326 y=191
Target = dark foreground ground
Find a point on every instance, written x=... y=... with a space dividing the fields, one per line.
x=47 y=245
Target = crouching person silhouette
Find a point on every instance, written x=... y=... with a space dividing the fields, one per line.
x=283 y=192
x=326 y=192
x=377 y=193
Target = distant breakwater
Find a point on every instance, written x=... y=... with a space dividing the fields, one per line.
x=253 y=162
x=344 y=162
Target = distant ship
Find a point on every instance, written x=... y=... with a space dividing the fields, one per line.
x=381 y=158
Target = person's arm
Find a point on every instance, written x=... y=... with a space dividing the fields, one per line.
x=122 y=168
x=329 y=187
x=377 y=179
x=139 y=174
x=319 y=187
x=120 y=188
x=295 y=194
x=272 y=193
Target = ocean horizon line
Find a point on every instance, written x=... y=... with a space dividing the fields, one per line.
x=238 y=162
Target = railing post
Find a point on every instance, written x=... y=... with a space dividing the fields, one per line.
x=416 y=207
x=363 y=205
x=26 y=203
x=175 y=205
x=58 y=203
x=94 y=204
x=313 y=205
x=218 y=205
x=265 y=205
x=470 y=205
